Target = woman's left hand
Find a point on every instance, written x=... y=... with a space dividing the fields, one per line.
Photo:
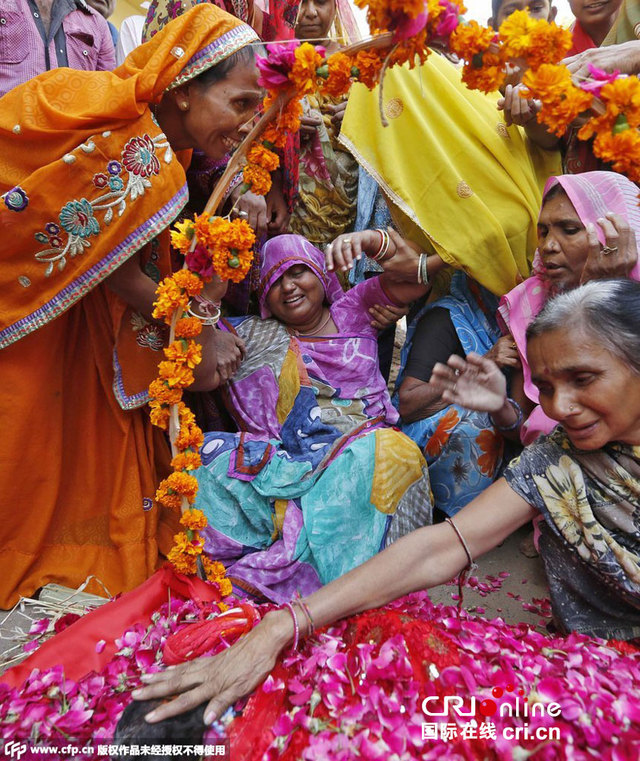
x=221 y=680
x=619 y=254
x=476 y=383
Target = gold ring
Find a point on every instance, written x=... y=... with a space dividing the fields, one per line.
x=346 y=240
x=606 y=250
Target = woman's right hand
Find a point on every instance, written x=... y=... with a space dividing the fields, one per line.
x=230 y=353
x=347 y=248
x=517 y=110
x=223 y=679
x=504 y=352
x=476 y=383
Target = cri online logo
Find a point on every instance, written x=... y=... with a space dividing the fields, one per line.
x=469 y=708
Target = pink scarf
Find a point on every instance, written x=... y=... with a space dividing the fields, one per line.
x=592 y=194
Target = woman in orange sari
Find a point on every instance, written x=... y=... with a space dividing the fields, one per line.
x=89 y=183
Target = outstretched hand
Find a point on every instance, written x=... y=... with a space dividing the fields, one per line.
x=219 y=681
x=618 y=256
x=476 y=383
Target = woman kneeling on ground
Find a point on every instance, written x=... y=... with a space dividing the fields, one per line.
x=584 y=478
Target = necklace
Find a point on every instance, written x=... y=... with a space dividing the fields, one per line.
x=317 y=330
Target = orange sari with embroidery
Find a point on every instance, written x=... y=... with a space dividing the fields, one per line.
x=87 y=181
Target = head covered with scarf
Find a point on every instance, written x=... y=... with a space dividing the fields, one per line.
x=85 y=168
x=285 y=251
x=592 y=194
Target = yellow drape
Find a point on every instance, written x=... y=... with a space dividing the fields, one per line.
x=458 y=180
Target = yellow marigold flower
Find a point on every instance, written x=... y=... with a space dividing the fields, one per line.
x=193 y=519
x=189 y=281
x=225 y=586
x=215 y=570
x=262 y=156
x=222 y=606
x=186 y=461
x=515 y=33
x=184 y=352
x=182 y=235
x=185 y=415
x=549 y=44
x=175 y=375
x=303 y=72
x=188 y=327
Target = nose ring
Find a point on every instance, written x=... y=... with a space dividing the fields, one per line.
x=571 y=407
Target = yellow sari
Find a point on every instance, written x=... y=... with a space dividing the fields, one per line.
x=459 y=182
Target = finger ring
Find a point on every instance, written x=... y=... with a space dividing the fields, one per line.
x=606 y=250
x=456 y=372
x=242 y=213
x=455 y=386
x=346 y=240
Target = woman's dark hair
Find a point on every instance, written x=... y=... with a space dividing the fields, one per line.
x=244 y=56
x=554 y=190
x=608 y=310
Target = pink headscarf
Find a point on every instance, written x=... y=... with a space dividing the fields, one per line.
x=285 y=251
x=592 y=194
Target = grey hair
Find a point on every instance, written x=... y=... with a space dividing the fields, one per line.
x=609 y=310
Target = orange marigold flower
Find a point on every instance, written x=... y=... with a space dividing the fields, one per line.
x=275 y=136
x=167 y=498
x=622 y=150
x=215 y=570
x=193 y=519
x=181 y=483
x=623 y=97
x=185 y=415
x=159 y=414
x=189 y=437
x=339 y=80
x=492 y=444
x=467 y=40
x=169 y=297
x=185 y=564
x=369 y=64
x=303 y=72
x=184 y=352
x=440 y=436
x=561 y=100
x=188 y=327
x=189 y=281
x=262 y=156
x=488 y=77
x=175 y=375
x=549 y=44
x=160 y=392
x=186 y=461
x=258 y=178
x=515 y=32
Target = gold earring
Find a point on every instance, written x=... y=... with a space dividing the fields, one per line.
x=184 y=106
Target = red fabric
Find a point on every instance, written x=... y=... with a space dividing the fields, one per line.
x=581 y=40
x=75 y=647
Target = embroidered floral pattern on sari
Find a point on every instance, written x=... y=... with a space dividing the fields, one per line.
x=124 y=181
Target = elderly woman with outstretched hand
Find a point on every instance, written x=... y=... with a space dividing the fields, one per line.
x=584 y=479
